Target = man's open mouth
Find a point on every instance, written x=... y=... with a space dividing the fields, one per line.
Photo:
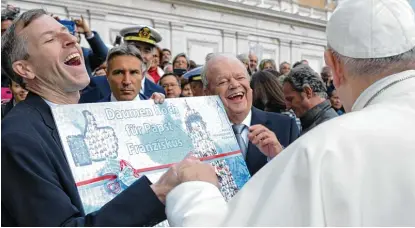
x=73 y=60
x=236 y=96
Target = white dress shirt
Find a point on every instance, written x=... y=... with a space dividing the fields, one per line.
x=143 y=83
x=51 y=104
x=136 y=98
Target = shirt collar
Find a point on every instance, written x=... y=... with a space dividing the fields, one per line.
x=247 y=120
x=113 y=99
x=143 y=83
x=51 y=104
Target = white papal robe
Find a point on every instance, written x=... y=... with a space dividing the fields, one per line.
x=355 y=170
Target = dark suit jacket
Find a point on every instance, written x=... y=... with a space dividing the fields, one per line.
x=37 y=185
x=95 y=55
x=97 y=89
x=150 y=87
x=5 y=108
x=108 y=98
x=284 y=128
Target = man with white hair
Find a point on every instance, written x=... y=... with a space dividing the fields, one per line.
x=260 y=135
x=354 y=170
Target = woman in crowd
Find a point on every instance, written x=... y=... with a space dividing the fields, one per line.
x=336 y=103
x=186 y=89
x=155 y=71
x=268 y=95
x=180 y=64
x=267 y=64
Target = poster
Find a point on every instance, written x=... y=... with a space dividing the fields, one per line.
x=111 y=145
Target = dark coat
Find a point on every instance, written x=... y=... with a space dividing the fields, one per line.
x=97 y=90
x=150 y=88
x=317 y=115
x=96 y=55
x=5 y=108
x=284 y=128
x=37 y=185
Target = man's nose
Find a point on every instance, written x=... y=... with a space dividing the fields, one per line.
x=233 y=83
x=68 y=39
x=126 y=79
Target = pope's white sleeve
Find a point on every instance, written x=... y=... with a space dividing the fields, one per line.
x=195 y=203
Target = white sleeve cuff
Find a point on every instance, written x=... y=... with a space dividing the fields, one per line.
x=91 y=36
x=195 y=203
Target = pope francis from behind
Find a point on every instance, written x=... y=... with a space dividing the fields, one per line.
x=355 y=170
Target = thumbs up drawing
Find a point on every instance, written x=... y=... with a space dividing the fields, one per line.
x=101 y=142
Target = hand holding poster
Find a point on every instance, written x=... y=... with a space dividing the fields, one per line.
x=110 y=145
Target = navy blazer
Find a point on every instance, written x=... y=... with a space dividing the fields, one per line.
x=150 y=87
x=96 y=55
x=284 y=127
x=97 y=89
x=5 y=108
x=108 y=98
x=38 y=189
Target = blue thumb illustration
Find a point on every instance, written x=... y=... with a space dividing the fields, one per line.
x=102 y=142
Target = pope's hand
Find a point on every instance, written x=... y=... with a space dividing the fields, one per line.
x=158 y=98
x=192 y=169
x=166 y=183
x=265 y=140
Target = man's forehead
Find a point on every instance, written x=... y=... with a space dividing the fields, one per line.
x=38 y=26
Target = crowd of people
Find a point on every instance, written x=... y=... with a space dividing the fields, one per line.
x=302 y=150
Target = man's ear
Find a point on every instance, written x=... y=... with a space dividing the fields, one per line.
x=336 y=68
x=308 y=91
x=22 y=68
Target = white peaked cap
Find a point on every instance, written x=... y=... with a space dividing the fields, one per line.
x=365 y=29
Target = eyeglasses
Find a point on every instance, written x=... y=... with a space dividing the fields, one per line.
x=169 y=85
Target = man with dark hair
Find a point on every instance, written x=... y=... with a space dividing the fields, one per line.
x=38 y=188
x=327 y=77
x=305 y=93
x=171 y=84
x=125 y=72
x=166 y=57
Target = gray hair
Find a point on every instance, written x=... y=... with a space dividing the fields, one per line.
x=376 y=66
x=243 y=58
x=125 y=50
x=283 y=64
x=215 y=56
x=303 y=76
x=14 y=46
x=265 y=61
x=181 y=55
